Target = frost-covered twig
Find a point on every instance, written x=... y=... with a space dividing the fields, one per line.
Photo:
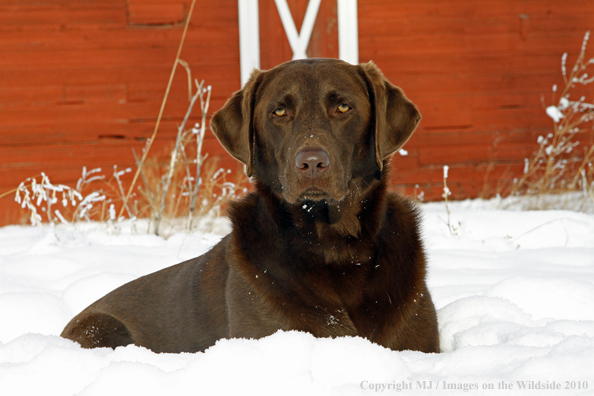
x=204 y=104
x=116 y=175
x=445 y=195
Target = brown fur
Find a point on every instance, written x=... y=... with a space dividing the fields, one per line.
x=333 y=254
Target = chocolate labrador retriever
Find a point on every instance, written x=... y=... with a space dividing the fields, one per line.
x=318 y=246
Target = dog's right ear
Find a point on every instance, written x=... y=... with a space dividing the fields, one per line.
x=233 y=123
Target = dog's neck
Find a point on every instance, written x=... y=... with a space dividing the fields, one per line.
x=330 y=230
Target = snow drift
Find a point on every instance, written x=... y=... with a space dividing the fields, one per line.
x=514 y=292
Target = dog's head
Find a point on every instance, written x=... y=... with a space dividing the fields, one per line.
x=310 y=129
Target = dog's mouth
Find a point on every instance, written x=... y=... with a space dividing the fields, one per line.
x=296 y=190
x=314 y=194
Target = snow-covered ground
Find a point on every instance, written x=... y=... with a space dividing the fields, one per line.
x=514 y=292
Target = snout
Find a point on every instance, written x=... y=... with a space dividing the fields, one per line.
x=314 y=173
x=312 y=163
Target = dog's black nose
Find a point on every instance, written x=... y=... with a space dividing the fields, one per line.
x=312 y=163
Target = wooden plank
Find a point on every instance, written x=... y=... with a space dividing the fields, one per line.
x=451 y=139
x=539 y=23
x=142 y=12
x=65 y=39
x=63 y=14
x=377 y=9
x=76 y=113
x=72 y=132
x=68 y=159
x=96 y=94
x=80 y=58
x=526 y=117
x=10 y=96
x=224 y=82
x=461 y=84
x=453 y=44
x=446 y=113
x=455 y=64
x=474 y=154
x=79 y=112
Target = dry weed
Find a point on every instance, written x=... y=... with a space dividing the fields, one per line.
x=563 y=164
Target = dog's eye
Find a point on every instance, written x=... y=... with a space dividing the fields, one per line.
x=280 y=112
x=343 y=108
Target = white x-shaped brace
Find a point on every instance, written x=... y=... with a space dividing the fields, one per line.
x=249 y=35
x=298 y=41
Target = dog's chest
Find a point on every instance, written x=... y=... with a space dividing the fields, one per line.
x=327 y=300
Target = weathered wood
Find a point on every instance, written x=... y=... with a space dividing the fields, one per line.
x=81 y=83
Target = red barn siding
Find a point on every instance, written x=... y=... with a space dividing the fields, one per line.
x=81 y=83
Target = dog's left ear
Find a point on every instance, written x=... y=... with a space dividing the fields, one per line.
x=396 y=117
x=233 y=123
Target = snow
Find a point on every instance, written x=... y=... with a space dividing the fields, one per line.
x=514 y=292
x=555 y=113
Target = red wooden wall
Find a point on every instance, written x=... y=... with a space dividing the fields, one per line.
x=81 y=82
